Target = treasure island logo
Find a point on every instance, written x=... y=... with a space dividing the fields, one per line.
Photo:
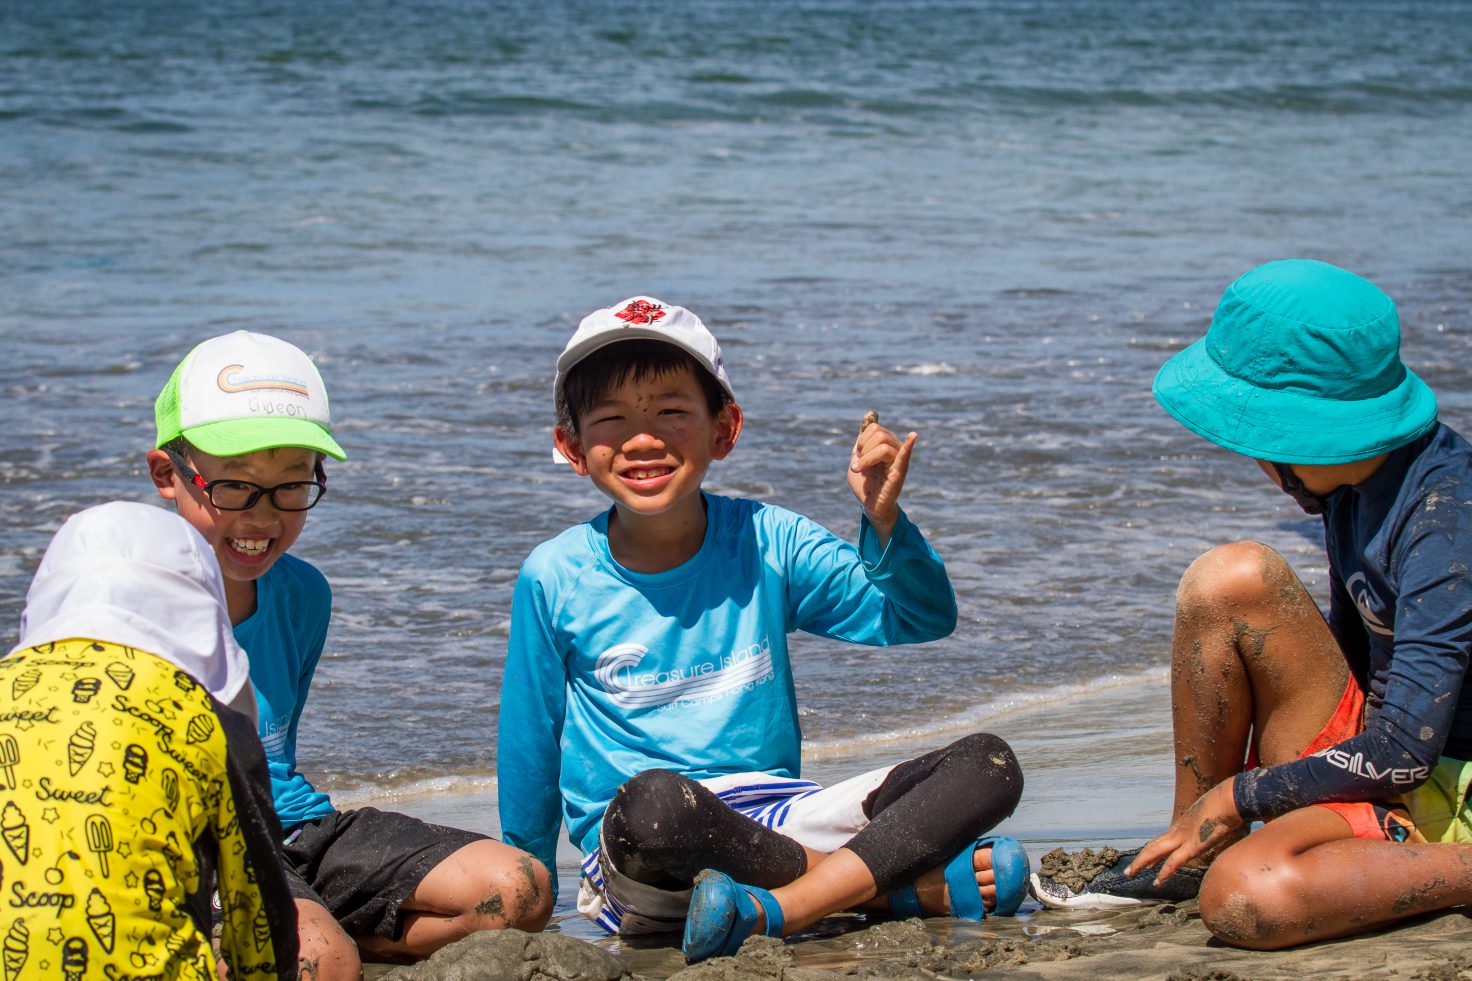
x=618 y=674
x=232 y=379
x=641 y=312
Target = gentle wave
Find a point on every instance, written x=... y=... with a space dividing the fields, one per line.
x=389 y=793
x=987 y=715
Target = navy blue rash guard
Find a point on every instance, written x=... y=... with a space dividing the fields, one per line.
x=1399 y=544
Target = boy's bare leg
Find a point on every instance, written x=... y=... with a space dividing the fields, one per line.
x=487 y=885
x=327 y=953
x=1251 y=657
x=1303 y=878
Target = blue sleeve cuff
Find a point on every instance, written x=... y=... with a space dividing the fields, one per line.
x=877 y=561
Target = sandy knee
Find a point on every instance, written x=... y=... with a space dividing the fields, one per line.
x=654 y=788
x=515 y=894
x=532 y=892
x=646 y=814
x=994 y=764
x=1234 y=575
x=326 y=953
x=1252 y=900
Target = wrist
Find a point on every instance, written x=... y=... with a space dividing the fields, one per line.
x=883 y=527
x=1228 y=789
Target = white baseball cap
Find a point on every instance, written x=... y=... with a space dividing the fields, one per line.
x=243 y=392
x=643 y=318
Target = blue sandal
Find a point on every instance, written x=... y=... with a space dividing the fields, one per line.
x=723 y=914
x=1009 y=866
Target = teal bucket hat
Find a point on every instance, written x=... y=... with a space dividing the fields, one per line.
x=1301 y=365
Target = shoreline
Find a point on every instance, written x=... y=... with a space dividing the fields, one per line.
x=1098 y=772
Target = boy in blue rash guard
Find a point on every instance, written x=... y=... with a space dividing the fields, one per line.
x=1356 y=728
x=243 y=426
x=648 y=701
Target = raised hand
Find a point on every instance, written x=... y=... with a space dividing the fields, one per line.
x=876 y=472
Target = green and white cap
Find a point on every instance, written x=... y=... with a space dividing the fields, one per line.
x=243 y=392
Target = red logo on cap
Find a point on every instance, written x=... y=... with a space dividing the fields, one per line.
x=641 y=312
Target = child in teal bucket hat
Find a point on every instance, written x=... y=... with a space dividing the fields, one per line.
x=1348 y=735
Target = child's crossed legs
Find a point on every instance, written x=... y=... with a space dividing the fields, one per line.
x=1254 y=668
x=874 y=833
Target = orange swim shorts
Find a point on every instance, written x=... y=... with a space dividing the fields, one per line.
x=1375 y=820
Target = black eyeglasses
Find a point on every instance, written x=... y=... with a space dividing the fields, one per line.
x=242 y=495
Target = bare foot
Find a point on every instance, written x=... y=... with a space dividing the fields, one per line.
x=935 y=897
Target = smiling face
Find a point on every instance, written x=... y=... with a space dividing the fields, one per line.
x=647 y=443
x=247 y=543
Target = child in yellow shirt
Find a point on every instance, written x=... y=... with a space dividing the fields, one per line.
x=129 y=786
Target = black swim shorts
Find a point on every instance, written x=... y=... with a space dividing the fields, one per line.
x=363 y=864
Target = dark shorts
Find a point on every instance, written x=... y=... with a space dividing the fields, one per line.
x=363 y=864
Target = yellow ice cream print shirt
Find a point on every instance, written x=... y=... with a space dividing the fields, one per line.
x=125 y=793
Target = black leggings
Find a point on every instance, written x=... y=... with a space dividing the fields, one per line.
x=661 y=828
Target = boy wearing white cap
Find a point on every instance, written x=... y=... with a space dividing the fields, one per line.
x=1349 y=735
x=648 y=700
x=243 y=427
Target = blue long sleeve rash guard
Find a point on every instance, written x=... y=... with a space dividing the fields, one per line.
x=610 y=672
x=1399 y=545
x=283 y=639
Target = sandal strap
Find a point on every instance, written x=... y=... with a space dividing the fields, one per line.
x=904 y=903
x=966 y=902
x=769 y=906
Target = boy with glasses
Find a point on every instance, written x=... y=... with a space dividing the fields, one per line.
x=243 y=427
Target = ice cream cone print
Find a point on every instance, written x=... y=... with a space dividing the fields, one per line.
x=16 y=949
x=170 y=780
x=85 y=690
x=153 y=888
x=260 y=929
x=101 y=919
x=99 y=839
x=74 y=958
x=24 y=682
x=135 y=763
x=80 y=746
x=16 y=831
x=200 y=728
x=120 y=673
x=9 y=757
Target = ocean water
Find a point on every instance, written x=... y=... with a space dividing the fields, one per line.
x=989 y=221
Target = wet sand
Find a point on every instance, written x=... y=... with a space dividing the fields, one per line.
x=1098 y=774
x=1165 y=942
